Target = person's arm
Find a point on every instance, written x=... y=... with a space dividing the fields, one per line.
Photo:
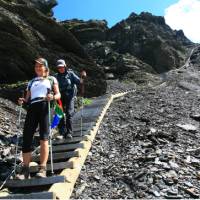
x=56 y=91
x=83 y=76
x=26 y=99
x=78 y=80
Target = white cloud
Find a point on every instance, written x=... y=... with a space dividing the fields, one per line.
x=185 y=15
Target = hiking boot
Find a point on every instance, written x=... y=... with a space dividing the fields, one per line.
x=42 y=173
x=23 y=173
x=68 y=136
x=59 y=137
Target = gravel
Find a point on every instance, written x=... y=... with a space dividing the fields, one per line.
x=148 y=144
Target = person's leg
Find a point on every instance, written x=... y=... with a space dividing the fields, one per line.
x=44 y=136
x=61 y=127
x=30 y=126
x=69 y=114
x=62 y=124
x=44 y=152
x=29 y=129
x=26 y=158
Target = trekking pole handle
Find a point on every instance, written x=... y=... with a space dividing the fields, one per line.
x=48 y=93
x=22 y=94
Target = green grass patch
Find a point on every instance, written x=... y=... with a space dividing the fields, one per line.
x=86 y=102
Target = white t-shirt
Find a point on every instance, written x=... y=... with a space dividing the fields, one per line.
x=39 y=87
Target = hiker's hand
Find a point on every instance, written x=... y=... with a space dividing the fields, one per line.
x=21 y=101
x=83 y=74
x=50 y=97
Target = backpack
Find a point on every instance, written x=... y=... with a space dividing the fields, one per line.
x=72 y=88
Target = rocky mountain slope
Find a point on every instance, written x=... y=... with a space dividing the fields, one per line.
x=141 y=44
x=148 y=144
x=26 y=33
x=45 y=6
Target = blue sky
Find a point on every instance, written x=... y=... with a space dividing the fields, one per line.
x=179 y=14
x=111 y=10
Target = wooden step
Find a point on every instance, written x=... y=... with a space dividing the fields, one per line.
x=78 y=133
x=69 y=141
x=56 y=166
x=88 y=119
x=83 y=128
x=34 y=182
x=59 y=156
x=86 y=124
x=96 y=104
x=67 y=147
x=37 y=195
x=89 y=112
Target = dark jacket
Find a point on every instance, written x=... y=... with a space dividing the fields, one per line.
x=67 y=83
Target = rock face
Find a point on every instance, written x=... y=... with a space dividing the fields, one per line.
x=26 y=33
x=140 y=44
x=45 y=6
x=151 y=40
x=122 y=66
x=87 y=31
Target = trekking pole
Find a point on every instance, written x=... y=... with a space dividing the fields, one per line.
x=50 y=133
x=82 y=95
x=18 y=127
x=81 y=116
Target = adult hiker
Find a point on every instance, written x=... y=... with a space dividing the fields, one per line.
x=68 y=82
x=38 y=96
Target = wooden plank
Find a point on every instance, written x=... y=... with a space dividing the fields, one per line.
x=90 y=115
x=88 y=120
x=78 y=128
x=67 y=147
x=64 y=190
x=96 y=105
x=38 y=195
x=56 y=166
x=77 y=124
x=69 y=141
x=59 y=156
x=78 y=133
x=33 y=182
x=87 y=113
